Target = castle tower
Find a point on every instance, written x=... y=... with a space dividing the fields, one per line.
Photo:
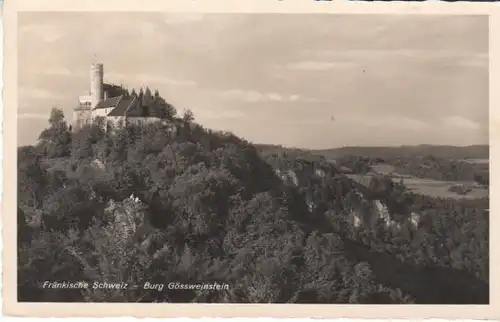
x=82 y=113
x=96 y=83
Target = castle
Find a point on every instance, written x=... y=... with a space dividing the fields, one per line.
x=115 y=104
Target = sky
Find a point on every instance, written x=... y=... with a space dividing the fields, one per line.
x=302 y=80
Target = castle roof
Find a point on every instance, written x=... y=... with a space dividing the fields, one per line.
x=123 y=106
x=128 y=106
x=110 y=102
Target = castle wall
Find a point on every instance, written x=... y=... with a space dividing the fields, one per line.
x=115 y=120
x=82 y=116
x=101 y=112
x=142 y=120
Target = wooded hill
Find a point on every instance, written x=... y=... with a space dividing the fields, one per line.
x=211 y=207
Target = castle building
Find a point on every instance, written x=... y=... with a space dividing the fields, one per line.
x=113 y=103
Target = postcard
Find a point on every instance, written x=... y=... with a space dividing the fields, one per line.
x=250 y=159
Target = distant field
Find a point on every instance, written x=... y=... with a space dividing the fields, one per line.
x=383 y=168
x=477 y=161
x=429 y=187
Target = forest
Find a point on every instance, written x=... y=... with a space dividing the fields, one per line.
x=173 y=201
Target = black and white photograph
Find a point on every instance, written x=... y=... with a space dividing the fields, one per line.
x=169 y=157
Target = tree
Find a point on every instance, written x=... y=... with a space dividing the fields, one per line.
x=141 y=95
x=188 y=116
x=56 y=139
x=56 y=118
x=31 y=176
x=164 y=109
x=147 y=98
x=24 y=232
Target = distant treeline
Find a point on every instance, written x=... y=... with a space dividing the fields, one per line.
x=442 y=169
x=438 y=151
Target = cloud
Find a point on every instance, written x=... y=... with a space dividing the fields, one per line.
x=183 y=18
x=407 y=122
x=241 y=95
x=253 y=96
x=393 y=52
x=460 y=122
x=33 y=116
x=62 y=71
x=478 y=61
x=166 y=80
x=146 y=28
x=219 y=114
x=383 y=121
x=317 y=65
x=45 y=32
x=147 y=79
x=350 y=57
x=37 y=93
x=57 y=71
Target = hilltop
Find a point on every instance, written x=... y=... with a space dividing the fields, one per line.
x=174 y=201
